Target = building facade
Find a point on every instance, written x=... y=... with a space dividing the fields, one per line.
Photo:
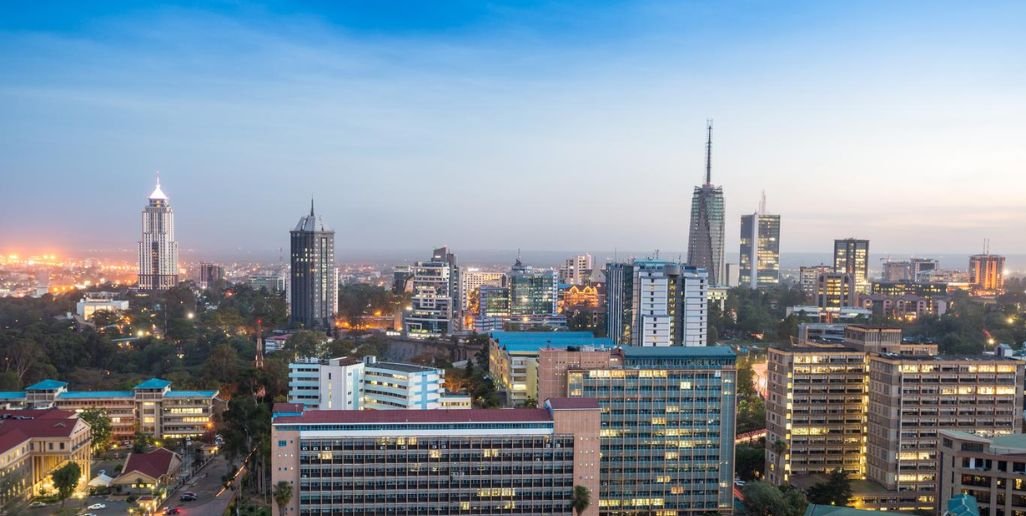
x=667 y=430
x=669 y=303
x=760 y=250
x=210 y=274
x=313 y=277
x=34 y=444
x=332 y=384
x=577 y=270
x=991 y=469
x=158 y=249
x=835 y=290
x=705 y=238
x=472 y=279
x=808 y=278
x=620 y=302
x=851 y=256
x=532 y=292
x=435 y=462
x=152 y=407
x=434 y=311
x=513 y=359
x=986 y=274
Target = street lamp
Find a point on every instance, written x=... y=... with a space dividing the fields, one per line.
x=190 y=315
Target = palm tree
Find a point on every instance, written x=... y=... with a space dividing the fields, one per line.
x=582 y=499
x=282 y=496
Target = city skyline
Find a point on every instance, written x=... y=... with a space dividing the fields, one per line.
x=368 y=106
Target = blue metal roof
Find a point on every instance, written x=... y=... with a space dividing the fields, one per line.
x=47 y=385
x=535 y=340
x=96 y=394
x=190 y=394
x=12 y=395
x=153 y=383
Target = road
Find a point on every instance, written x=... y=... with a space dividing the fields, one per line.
x=207 y=486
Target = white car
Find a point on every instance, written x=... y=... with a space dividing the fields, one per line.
x=738 y=482
x=96 y=507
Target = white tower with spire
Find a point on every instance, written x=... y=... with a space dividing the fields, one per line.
x=158 y=250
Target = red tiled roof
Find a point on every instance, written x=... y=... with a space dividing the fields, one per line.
x=50 y=413
x=153 y=464
x=12 y=439
x=573 y=403
x=418 y=416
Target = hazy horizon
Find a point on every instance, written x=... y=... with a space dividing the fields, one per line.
x=496 y=126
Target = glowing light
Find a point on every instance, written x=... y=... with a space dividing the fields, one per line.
x=190 y=315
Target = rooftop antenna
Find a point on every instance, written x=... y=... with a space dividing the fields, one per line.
x=657 y=254
x=158 y=178
x=311 y=206
x=708 y=152
x=762 y=204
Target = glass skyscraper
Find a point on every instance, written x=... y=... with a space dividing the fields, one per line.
x=705 y=239
x=313 y=298
x=158 y=250
x=760 y=249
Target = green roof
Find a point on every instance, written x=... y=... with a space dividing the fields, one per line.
x=153 y=383
x=47 y=385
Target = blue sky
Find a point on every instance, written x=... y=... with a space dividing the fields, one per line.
x=539 y=125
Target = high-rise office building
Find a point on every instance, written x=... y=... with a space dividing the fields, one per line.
x=705 y=239
x=991 y=469
x=576 y=270
x=210 y=274
x=922 y=269
x=158 y=250
x=434 y=310
x=657 y=303
x=835 y=290
x=313 y=279
x=851 y=256
x=986 y=273
x=667 y=429
x=808 y=278
x=760 y=249
x=897 y=271
x=471 y=279
x=531 y=291
x=438 y=462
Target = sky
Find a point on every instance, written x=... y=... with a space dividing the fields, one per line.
x=534 y=125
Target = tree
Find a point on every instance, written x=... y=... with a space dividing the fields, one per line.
x=65 y=479
x=749 y=461
x=140 y=442
x=765 y=499
x=282 y=496
x=100 y=427
x=305 y=344
x=836 y=490
x=582 y=499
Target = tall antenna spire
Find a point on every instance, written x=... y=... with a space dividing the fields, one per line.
x=311 y=206
x=708 y=152
x=158 y=179
x=762 y=204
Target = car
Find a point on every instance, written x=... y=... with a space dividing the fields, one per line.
x=172 y=510
x=738 y=482
x=96 y=507
x=189 y=493
x=37 y=504
x=89 y=514
x=187 y=498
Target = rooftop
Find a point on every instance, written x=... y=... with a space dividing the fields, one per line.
x=190 y=394
x=406 y=368
x=399 y=417
x=535 y=340
x=833 y=510
x=47 y=385
x=96 y=394
x=153 y=464
x=572 y=403
x=678 y=352
x=12 y=395
x=153 y=383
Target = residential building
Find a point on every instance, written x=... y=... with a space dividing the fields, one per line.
x=816 y=334
x=577 y=270
x=313 y=279
x=816 y=408
x=152 y=407
x=158 y=249
x=34 y=444
x=513 y=358
x=210 y=274
x=835 y=291
x=402 y=279
x=331 y=384
x=532 y=291
x=657 y=303
x=472 y=279
x=667 y=429
x=93 y=302
x=851 y=256
x=912 y=398
x=992 y=469
x=904 y=307
x=272 y=282
x=474 y=462
x=808 y=278
x=434 y=311
x=986 y=274
x=872 y=339
x=148 y=472
x=705 y=238
x=760 y=249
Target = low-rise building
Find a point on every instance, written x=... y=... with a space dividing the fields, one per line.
x=434 y=462
x=152 y=407
x=35 y=443
x=148 y=473
x=93 y=302
x=335 y=383
x=513 y=358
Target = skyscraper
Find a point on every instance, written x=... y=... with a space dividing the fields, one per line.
x=705 y=240
x=434 y=311
x=851 y=256
x=576 y=270
x=158 y=250
x=760 y=248
x=619 y=301
x=313 y=296
x=532 y=291
x=986 y=273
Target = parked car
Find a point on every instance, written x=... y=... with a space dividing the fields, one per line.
x=172 y=510
x=37 y=504
x=96 y=507
x=187 y=498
